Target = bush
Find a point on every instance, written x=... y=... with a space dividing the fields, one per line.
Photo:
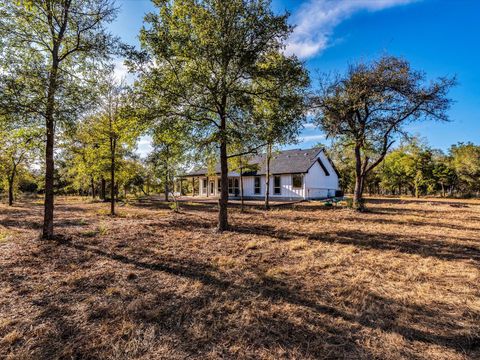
x=27 y=186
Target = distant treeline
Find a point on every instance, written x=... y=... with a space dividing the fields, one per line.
x=416 y=169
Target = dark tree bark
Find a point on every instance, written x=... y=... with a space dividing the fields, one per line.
x=241 y=190
x=113 y=185
x=267 y=177
x=223 y=201
x=10 y=190
x=359 y=180
x=103 y=192
x=92 y=186
x=166 y=188
x=49 y=159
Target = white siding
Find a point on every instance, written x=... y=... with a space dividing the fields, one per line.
x=317 y=183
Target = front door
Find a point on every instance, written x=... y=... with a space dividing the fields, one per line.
x=212 y=187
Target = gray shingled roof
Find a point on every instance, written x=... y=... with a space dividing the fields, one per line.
x=284 y=162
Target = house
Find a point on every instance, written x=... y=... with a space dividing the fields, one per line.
x=294 y=175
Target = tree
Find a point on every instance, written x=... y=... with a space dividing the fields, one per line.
x=444 y=173
x=370 y=106
x=86 y=164
x=466 y=162
x=279 y=111
x=394 y=172
x=115 y=129
x=68 y=38
x=18 y=148
x=203 y=57
x=171 y=143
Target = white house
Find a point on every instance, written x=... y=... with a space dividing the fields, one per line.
x=294 y=174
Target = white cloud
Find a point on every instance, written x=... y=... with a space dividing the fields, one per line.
x=308 y=138
x=144 y=146
x=316 y=19
x=120 y=70
x=309 y=126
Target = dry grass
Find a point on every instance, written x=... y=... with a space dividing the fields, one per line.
x=401 y=281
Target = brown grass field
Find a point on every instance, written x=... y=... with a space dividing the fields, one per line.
x=305 y=282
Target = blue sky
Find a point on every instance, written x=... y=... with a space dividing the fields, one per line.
x=440 y=37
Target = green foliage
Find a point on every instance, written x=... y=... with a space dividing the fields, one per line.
x=369 y=106
x=213 y=64
x=465 y=159
x=19 y=150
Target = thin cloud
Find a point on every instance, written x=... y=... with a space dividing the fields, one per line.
x=316 y=19
x=309 y=138
x=120 y=71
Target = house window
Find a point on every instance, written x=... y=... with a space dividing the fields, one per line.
x=205 y=186
x=233 y=186
x=219 y=185
x=258 y=185
x=297 y=181
x=277 y=186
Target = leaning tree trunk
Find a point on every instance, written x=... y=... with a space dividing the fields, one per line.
x=47 y=232
x=267 y=177
x=223 y=201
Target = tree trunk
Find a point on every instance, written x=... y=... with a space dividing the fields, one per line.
x=112 y=176
x=358 y=194
x=241 y=190
x=92 y=185
x=166 y=188
x=267 y=177
x=443 y=189
x=359 y=179
x=103 y=193
x=223 y=201
x=47 y=232
x=208 y=186
x=10 y=189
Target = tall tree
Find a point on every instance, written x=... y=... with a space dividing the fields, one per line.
x=67 y=37
x=204 y=56
x=370 y=105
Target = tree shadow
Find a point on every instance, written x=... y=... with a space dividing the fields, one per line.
x=448 y=332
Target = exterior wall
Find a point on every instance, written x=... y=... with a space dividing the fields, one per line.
x=317 y=183
x=287 y=190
